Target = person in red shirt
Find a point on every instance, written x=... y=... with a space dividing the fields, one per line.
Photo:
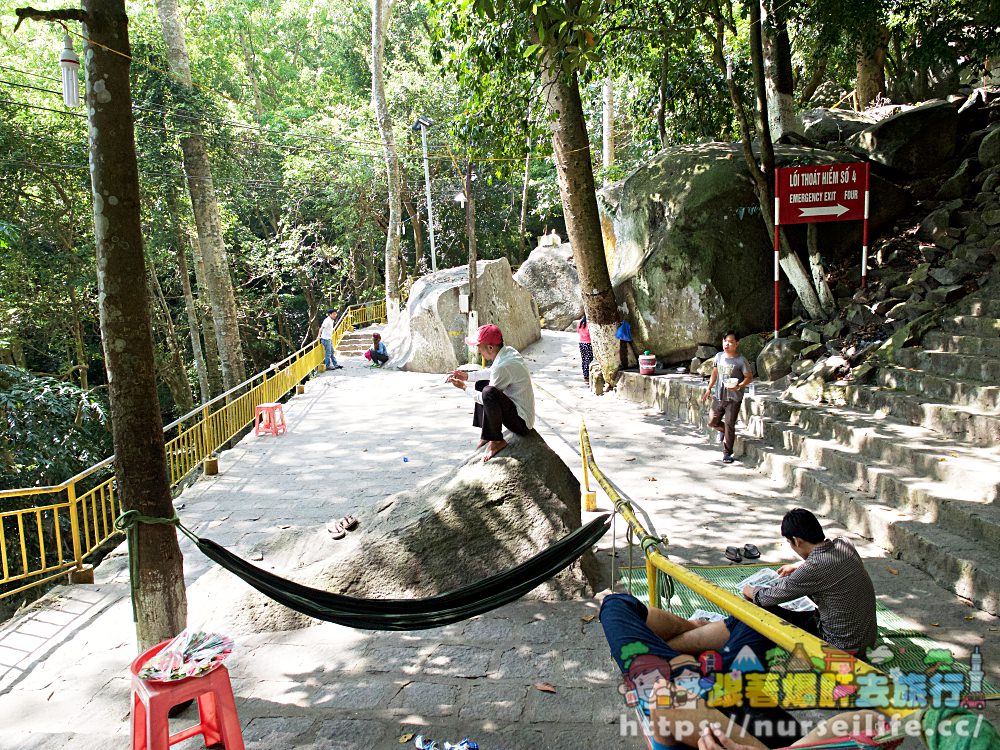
x=586 y=349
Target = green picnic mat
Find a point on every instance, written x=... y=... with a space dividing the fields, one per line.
x=913 y=651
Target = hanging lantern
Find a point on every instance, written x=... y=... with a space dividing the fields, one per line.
x=70 y=65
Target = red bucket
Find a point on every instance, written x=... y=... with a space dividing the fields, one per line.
x=647 y=364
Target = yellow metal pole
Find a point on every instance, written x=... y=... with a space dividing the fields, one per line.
x=654 y=595
x=589 y=495
x=74 y=523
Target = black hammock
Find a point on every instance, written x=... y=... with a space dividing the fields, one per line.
x=414 y=614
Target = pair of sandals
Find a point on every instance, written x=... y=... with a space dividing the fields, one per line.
x=749 y=552
x=338 y=529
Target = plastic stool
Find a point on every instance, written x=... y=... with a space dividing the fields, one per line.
x=269 y=418
x=219 y=722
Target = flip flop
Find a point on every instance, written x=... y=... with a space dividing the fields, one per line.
x=734 y=554
x=348 y=522
x=336 y=530
x=750 y=552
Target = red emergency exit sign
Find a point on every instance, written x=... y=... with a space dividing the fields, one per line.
x=827 y=192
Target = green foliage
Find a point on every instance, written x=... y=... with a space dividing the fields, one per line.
x=51 y=430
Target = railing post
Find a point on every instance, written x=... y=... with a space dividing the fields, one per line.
x=654 y=595
x=74 y=522
x=206 y=433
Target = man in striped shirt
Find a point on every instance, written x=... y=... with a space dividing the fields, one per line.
x=832 y=574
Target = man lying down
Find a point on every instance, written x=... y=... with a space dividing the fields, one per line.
x=667 y=660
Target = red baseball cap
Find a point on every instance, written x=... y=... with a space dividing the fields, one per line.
x=487 y=334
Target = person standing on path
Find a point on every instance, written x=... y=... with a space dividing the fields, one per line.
x=586 y=348
x=730 y=376
x=326 y=339
x=625 y=342
x=503 y=392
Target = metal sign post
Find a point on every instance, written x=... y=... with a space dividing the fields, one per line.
x=819 y=193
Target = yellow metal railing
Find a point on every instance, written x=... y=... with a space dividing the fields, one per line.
x=71 y=520
x=787 y=636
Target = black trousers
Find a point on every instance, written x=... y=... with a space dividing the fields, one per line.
x=496 y=412
x=379 y=358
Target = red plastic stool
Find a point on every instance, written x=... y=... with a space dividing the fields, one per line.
x=269 y=418
x=219 y=722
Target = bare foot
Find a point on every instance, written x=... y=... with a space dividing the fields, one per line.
x=481 y=444
x=495 y=447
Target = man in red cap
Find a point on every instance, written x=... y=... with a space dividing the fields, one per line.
x=503 y=393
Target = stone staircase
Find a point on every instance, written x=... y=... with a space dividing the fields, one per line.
x=911 y=462
x=355 y=343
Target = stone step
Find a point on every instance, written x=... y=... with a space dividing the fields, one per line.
x=951 y=390
x=972 y=426
x=962 y=508
x=974 y=345
x=975 y=325
x=981 y=368
x=871 y=439
x=965 y=566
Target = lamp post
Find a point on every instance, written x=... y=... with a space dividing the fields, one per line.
x=422 y=124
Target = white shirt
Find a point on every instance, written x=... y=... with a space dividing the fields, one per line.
x=326 y=330
x=510 y=374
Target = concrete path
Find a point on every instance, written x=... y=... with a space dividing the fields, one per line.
x=356 y=436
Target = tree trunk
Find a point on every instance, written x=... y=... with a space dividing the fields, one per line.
x=470 y=233
x=137 y=429
x=871 y=67
x=206 y=209
x=826 y=299
x=661 y=105
x=380 y=18
x=815 y=79
x=251 y=70
x=189 y=306
x=608 y=126
x=209 y=338
x=522 y=222
x=418 y=232
x=81 y=352
x=177 y=380
x=192 y=316
x=762 y=174
x=583 y=224
x=777 y=59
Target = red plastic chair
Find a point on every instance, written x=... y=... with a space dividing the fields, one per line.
x=218 y=720
x=269 y=418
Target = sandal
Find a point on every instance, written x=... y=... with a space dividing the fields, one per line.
x=750 y=552
x=336 y=529
x=734 y=554
x=349 y=522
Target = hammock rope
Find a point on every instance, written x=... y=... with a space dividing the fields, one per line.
x=394 y=614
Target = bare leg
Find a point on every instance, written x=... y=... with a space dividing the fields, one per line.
x=668 y=626
x=711 y=637
x=495 y=446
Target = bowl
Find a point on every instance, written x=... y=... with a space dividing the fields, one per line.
x=731 y=382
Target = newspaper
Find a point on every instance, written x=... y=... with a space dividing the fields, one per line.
x=764 y=579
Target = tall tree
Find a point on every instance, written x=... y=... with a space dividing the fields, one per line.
x=137 y=428
x=777 y=59
x=393 y=264
x=205 y=205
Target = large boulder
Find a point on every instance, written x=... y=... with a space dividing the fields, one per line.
x=465 y=525
x=822 y=125
x=914 y=141
x=429 y=336
x=692 y=257
x=549 y=274
x=775 y=359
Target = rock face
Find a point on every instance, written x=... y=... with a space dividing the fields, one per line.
x=775 y=359
x=549 y=274
x=692 y=257
x=823 y=125
x=914 y=141
x=989 y=149
x=429 y=335
x=458 y=528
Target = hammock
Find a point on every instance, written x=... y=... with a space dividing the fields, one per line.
x=413 y=614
